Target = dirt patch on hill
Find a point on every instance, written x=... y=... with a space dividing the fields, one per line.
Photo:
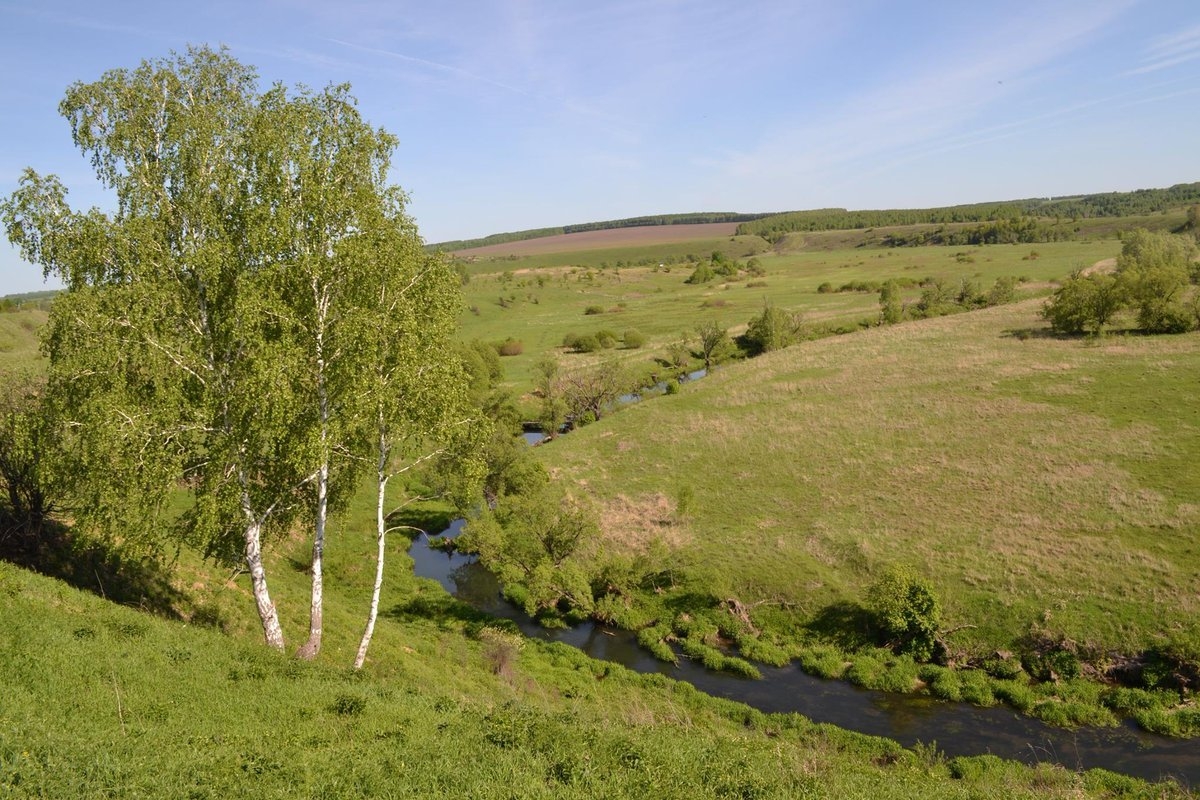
x=1103 y=265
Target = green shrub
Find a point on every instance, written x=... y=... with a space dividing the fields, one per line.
x=946 y=685
x=633 y=339
x=1054 y=665
x=606 y=339
x=824 y=661
x=773 y=329
x=348 y=705
x=974 y=768
x=906 y=610
x=593 y=310
x=825 y=288
x=976 y=688
x=702 y=274
x=1017 y=695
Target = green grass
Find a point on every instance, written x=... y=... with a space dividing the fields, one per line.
x=19 y=346
x=1014 y=471
x=99 y=700
x=541 y=306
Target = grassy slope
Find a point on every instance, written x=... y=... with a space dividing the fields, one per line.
x=99 y=700
x=543 y=305
x=1031 y=478
x=19 y=340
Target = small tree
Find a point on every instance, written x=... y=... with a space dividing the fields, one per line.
x=773 y=329
x=1083 y=303
x=715 y=344
x=1152 y=272
x=907 y=611
x=891 y=308
x=538 y=540
x=27 y=492
x=553 y=411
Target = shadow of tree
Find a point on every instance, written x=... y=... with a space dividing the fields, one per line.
x=438 y=607
x=1023 y=334
x=97 y=567
x=847 y=625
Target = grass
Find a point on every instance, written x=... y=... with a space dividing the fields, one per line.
x=19 y=346
x=541 y=305
x=1013 y=471
x=100 y=700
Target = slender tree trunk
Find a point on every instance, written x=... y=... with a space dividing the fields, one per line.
x=258 y=582
x=381 y=541
x=316 y=609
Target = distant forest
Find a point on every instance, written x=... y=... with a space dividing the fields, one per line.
x=1009 y=216
x=699 y=218
x=1001 y=222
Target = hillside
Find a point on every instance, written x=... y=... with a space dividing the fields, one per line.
x=100 y=700
x=1014 y=469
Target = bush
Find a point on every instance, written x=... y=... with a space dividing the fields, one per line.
x=825 y=288
x=1003 y=291
x=702 y=274
x=633 y=339
x=1083 y=303
x=581 y=344
x=606 y=339
x=593 y=310
x=773 y=329
x=510 y=347
x=907 y=611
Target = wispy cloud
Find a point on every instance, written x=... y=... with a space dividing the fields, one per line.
x=433 y=65
x=1167 y=51
x=933 y=106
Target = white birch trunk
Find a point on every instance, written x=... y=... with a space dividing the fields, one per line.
x=381 y=541
x=258 y=583
x=316 y=607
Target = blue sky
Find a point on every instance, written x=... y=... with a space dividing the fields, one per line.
x=532 y=113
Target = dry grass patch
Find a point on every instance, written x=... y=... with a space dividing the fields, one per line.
x=635 y=524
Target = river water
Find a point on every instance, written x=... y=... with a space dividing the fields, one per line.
x=956 y=728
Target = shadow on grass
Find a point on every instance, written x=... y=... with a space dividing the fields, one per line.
x=1023 y=334
x=438 y=607
x=846 y=625
x=97 y=567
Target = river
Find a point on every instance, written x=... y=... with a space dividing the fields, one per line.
x=956 y=728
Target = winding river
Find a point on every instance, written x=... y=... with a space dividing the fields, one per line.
x=956 y=728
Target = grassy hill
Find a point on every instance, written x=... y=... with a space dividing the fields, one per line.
x=1043 y=486
x=104 y=701
x=1014 y=468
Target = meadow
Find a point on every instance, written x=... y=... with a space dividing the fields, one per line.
x=1041 y=484
x=540 y=302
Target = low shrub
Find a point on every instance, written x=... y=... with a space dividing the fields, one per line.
x=633 y=339
x=510 y=347
x=593 y=310
x=824 y=661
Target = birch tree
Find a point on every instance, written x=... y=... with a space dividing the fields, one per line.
x=421 y=411
x=216 y=323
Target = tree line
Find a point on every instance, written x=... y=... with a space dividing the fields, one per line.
x=1112 y=204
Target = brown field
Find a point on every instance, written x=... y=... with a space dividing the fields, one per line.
x=599 y=240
